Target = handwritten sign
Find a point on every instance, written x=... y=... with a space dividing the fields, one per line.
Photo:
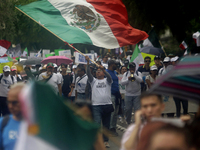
x=66 y=53
x=80 y=59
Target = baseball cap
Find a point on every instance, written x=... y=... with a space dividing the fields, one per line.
x=156 y=57
x=174 y=58
x=167 y=59
x=6 y=68
x=13 y=68
x=50 y=65
x=126 y=61
x=132 y=64
x=74 y=67
x=153 y=68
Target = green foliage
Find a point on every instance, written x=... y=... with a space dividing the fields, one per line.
x=181 y=17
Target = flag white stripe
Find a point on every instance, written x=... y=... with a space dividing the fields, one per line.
x=68 y=6
x=30 y=142
x=2 y=50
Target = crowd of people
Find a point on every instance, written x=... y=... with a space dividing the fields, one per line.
x=98 y=85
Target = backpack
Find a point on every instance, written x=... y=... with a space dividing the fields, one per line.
x=10 y=76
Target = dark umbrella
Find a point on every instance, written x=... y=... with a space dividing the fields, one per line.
x=151 y=50
x=31 y=61
x=182 y=81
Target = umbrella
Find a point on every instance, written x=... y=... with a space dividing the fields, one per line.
x=31 y=61
x=151 y=50
x=3 y=60
x=57 y=60
x=182 y=81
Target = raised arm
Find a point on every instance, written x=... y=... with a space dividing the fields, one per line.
x=88 y=72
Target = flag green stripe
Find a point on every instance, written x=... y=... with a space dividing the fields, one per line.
x=46 y=14
x=58 y=124
x=135 y=53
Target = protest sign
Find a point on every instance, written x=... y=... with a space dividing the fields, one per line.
x=4 y=64
x=32 y=54
x=80 y=59
x=44 y=52
x=121 y=87
x=66 y=53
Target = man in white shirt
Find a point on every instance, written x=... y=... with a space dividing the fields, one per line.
x=166 y=63
x=81 y=82
x=151 y=106
x=132 y=79
x=51 y=78
x=6 y=80
x=101 y=97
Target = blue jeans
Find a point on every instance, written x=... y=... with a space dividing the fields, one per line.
x=102 y=114
x=130 y=103
x=114 y=114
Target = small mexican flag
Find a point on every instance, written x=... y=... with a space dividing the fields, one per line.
x=4 y=45
x=196 y=37
x=152 y=40
x=137 y=57
x=183 y=45
x=50 y=124
x=25 y=53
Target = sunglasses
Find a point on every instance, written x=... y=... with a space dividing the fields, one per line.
x=147 y=61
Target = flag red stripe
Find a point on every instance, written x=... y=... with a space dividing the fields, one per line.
x=115 y=13
x=5 y=44
x=181 y=46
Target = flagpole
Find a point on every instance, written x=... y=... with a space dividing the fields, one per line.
x=163 y=48
x=56 y=35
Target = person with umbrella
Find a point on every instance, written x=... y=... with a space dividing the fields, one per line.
x=51 y=78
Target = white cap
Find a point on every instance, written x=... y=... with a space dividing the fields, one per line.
x=174 y=58
x=167 y=59
x=54 y=65
x=74 y=67
x=6 y=68
x=153 y=68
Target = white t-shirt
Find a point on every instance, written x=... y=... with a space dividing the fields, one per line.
x=6 y=82
x=101 y=92
x=81 y=83
x=150 y=79
x=53 y=82
x=127 y=134
x=60 y=77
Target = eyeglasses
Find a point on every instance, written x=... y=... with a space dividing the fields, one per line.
x=13 y=102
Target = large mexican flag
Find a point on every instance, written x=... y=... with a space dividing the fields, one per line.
x=50 y=124
x=102 y=23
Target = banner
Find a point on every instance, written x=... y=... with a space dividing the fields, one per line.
x=80 y=59
x=4 y=64
x=151 y=56
x=66 y=53
x=121 y=87
x=44 y=52
x=57 y=51
x=32 y=55
x=47 y=55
